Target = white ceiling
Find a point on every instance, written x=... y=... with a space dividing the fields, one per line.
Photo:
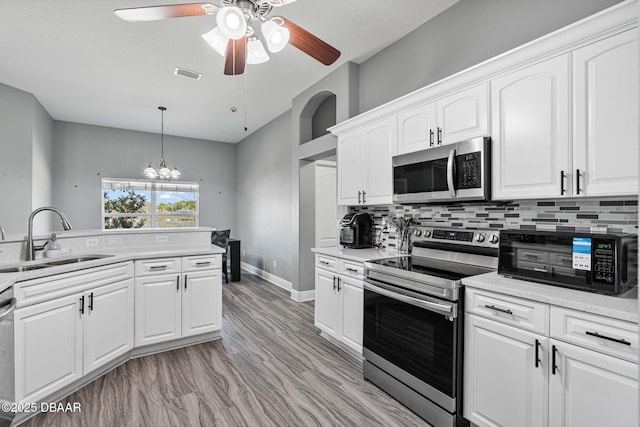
x=85 y=65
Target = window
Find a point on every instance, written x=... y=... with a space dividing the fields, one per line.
x=130 y=203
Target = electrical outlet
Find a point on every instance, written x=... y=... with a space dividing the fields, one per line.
x=92 y=242
x=162 y=239
x=274 y=264
x=114 y=241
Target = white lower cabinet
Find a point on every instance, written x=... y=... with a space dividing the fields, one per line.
x=339 y=300
x=60 y=340
x=523 y=373
x=185 y=302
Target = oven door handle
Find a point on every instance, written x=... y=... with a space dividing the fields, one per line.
x=399 y=295
x=450 y=164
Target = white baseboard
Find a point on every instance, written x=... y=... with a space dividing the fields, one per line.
x=280 y=282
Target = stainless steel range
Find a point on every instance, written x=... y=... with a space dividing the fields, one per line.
x=413 y=319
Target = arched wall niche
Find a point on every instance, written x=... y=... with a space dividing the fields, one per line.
x=318 y=114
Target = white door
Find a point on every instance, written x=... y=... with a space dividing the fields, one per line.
x=201 y=303
x=463 y=115
x=379 y=144
x=502 y=384
x=530 y=131
x=326 y=304
x=351 y=312
x=48 y=347
x=349 y=153
x=157 y=309
x=326 y=205
x=606 y=116
x=108 y=323
x=591 y=389
x=417 y=128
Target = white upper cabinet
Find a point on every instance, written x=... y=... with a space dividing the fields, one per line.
x=463 y=115
x=364 y=164
x=605 y=153
x=454 y=118
x=530 y=131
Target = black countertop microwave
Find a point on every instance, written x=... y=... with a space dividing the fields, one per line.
x=449 y=173
x=603 y=263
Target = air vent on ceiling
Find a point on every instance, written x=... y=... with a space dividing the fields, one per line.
x=186 y=73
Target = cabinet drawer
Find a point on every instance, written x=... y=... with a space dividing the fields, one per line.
x=150 y=267
x=526 y=314
x=327 y=262
x=604 y=334
x=201 y=262
x=352 y=268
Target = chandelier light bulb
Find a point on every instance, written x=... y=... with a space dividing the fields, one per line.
x=163 y=171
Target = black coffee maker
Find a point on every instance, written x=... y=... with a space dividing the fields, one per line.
x=356 y=230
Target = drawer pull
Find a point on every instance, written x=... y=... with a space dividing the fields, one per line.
x=324 y=262
x=158 y=267
x=502 y=310
x=334 y=283
x=537 y=353
x=618 y=340
x=540 y=270
x=352 y=269
x=203 y=263
x=554 y=367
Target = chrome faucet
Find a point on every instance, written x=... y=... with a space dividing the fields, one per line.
x=31 y=247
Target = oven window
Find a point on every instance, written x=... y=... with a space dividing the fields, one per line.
x=422 y=177
x=416 y=340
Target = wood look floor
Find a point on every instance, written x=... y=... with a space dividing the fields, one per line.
x=271 y=368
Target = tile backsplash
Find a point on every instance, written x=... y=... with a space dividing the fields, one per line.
x=618 y=215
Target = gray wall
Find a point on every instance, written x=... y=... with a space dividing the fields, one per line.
x=469 y=32
x=264 y=197
x=84 y=154
x=25 y=175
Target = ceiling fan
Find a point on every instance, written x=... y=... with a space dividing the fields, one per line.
x=242 y=28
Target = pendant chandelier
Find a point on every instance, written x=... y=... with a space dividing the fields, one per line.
x=162 y=171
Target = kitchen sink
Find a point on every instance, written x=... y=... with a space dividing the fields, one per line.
x=23 y=268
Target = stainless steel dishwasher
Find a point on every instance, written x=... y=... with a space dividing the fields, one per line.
x=7 y=305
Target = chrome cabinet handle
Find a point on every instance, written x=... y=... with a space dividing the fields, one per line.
x=185 y=282
x=178 y=283
x=91 y=301
x=364 y=196
x=502 y=310
x=562 y=177
x=439 y=135
x=452 y=190
x=540 y=270
x=537 y=353
x=430 y=137
x=334 y=283
x=8 y=308
x=359 y=192
x=203 y=263
x=338 y=284
x=577 y=181
x=324 y=262
x=554 y=367
x=82 y=304
x=158 y=267
x=604 y=337
x=351 y=269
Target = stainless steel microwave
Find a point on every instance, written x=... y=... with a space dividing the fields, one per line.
x=450 y=173
x=603 y=263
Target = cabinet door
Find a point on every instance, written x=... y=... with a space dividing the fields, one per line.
x=417 y=128
x=379 y=144
x=591 y=389
x=108 y=323
x=48 y=347
x=326 y=308
x=349 y=153
x=502 y=384
x=463 y=115
x=201 y=303
x=606 y=116
x=351 y=312
x=157 y=309
x=530 y=131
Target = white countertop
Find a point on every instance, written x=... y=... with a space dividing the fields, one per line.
x=624 y=306
x=8 y=279
x=360 y=255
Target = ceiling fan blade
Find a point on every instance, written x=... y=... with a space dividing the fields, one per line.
x=310 y=44
x=157 y=13
x=236 y=57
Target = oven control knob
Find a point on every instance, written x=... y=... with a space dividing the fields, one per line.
x=493 y=239
x=417 y=233
x=480 y=238
x=427 y=233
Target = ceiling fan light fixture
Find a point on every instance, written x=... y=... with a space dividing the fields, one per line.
x=217 y=40
x=232 y=22
x=256 y=53
x=276 y=36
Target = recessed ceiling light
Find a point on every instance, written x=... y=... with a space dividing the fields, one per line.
x=187 y=73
